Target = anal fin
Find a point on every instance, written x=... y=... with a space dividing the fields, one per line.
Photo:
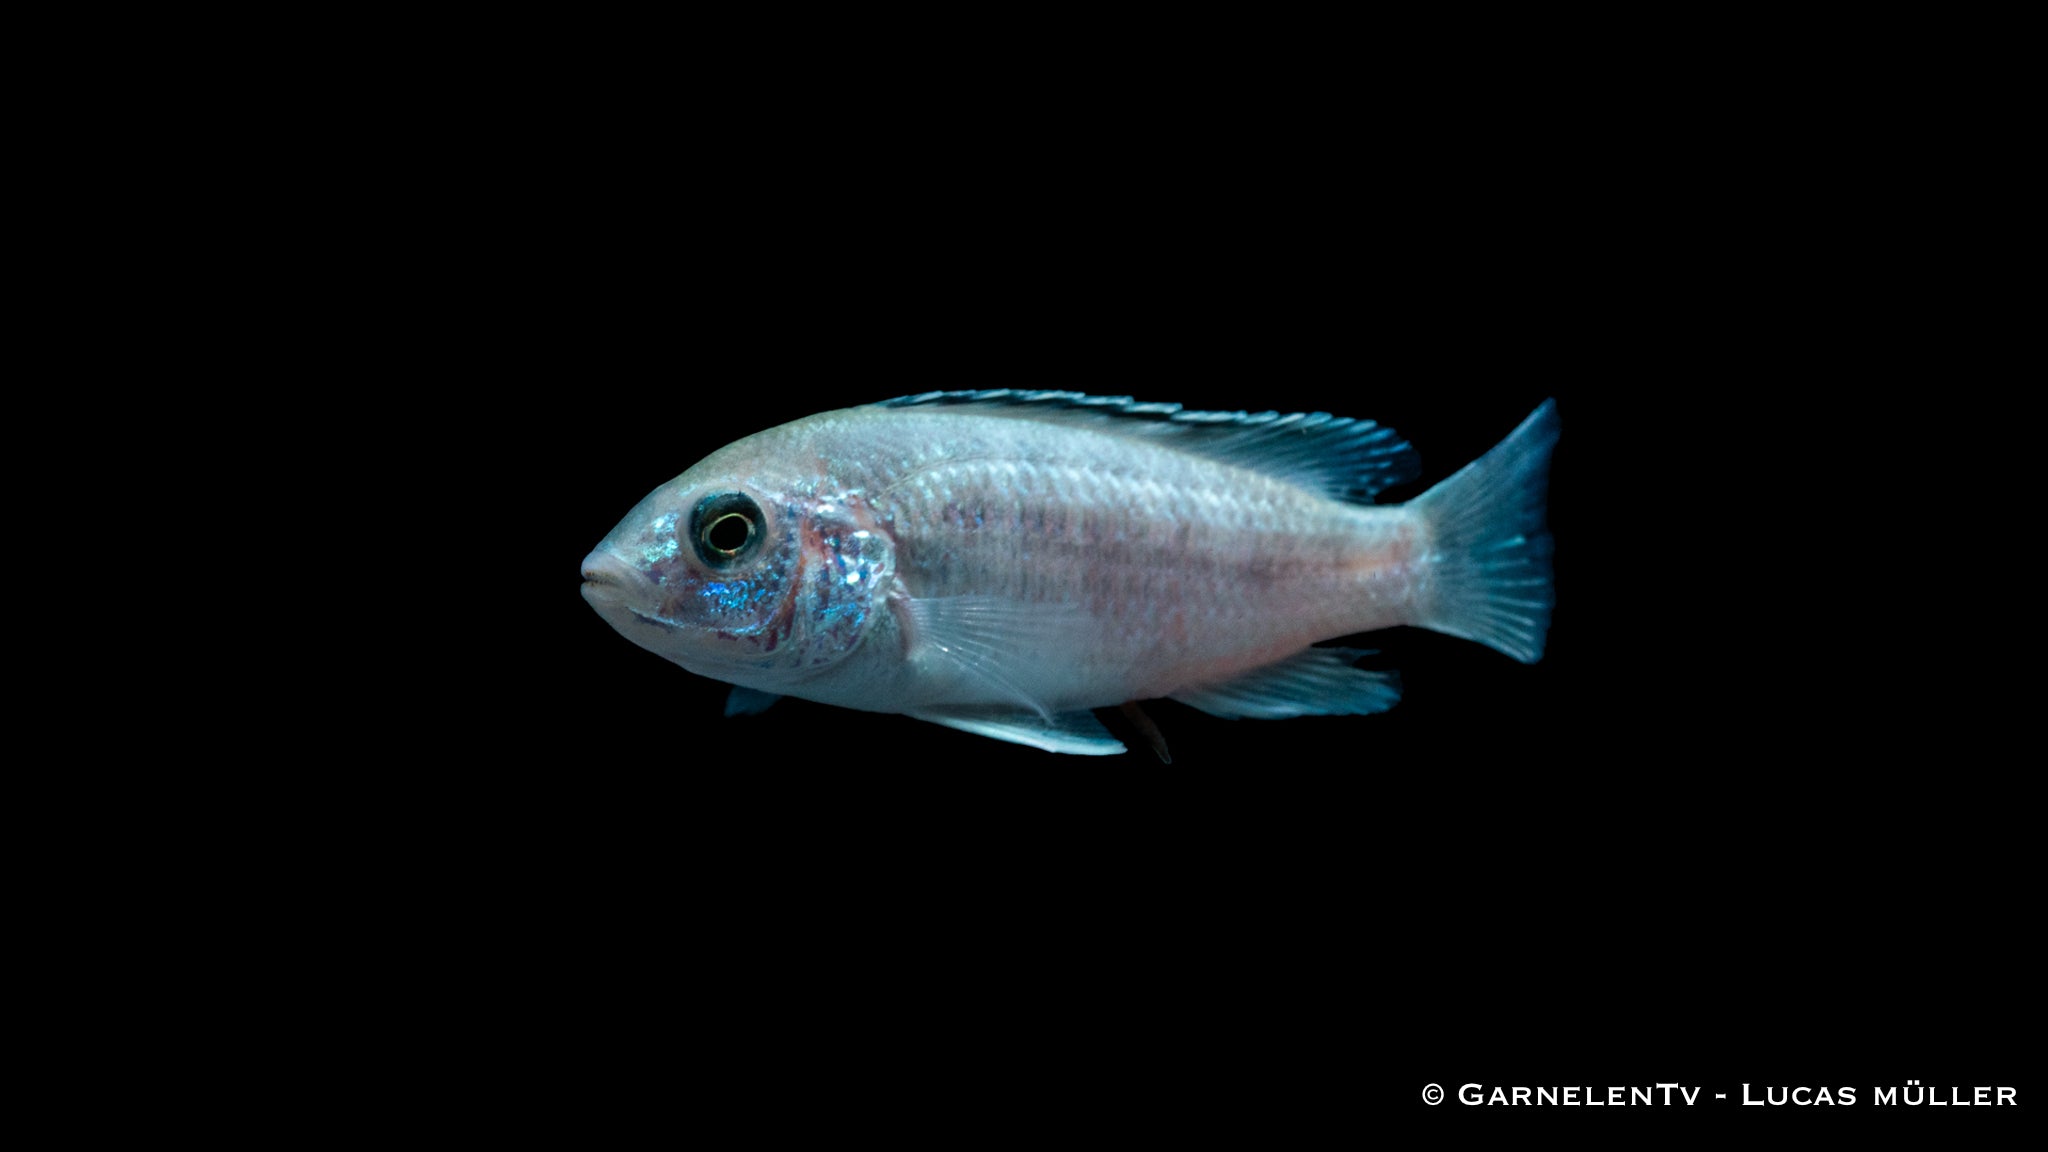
x=1316 y=682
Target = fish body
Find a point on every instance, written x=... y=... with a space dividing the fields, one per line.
x=1004 y=562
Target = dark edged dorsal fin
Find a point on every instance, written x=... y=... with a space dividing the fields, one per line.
x=1335 y=456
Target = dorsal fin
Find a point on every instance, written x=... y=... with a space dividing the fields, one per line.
x=1335 y=456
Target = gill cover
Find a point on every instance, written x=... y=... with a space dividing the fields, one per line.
x=848 y=571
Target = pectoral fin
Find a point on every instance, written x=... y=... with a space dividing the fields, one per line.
x=1077 y=733
x=1318 y=682
x=989 y=641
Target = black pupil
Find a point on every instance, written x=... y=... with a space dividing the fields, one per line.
x=729 y=532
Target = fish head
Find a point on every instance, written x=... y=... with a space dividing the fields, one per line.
x=747 y=577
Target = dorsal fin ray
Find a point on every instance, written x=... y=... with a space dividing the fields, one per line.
x=1334 y=456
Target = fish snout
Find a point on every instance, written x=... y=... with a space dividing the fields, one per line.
x=607 y=580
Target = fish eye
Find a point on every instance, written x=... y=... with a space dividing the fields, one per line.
x=726 y=527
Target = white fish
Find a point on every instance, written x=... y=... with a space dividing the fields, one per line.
x=1003 y=562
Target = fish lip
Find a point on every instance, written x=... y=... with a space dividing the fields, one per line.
x=607 y=580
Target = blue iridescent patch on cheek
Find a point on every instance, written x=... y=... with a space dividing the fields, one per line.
x=724 y=598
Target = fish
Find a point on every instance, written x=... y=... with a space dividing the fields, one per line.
x=1004 y=562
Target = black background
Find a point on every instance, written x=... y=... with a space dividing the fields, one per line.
x=1711 y=837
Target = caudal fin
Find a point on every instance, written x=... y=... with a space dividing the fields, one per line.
x=1490 y=554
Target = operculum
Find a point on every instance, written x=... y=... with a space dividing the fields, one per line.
x=848 y=572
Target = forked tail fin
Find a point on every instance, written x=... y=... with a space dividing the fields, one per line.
x=1489 y=578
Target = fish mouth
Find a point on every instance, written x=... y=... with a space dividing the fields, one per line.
x=607 y=581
